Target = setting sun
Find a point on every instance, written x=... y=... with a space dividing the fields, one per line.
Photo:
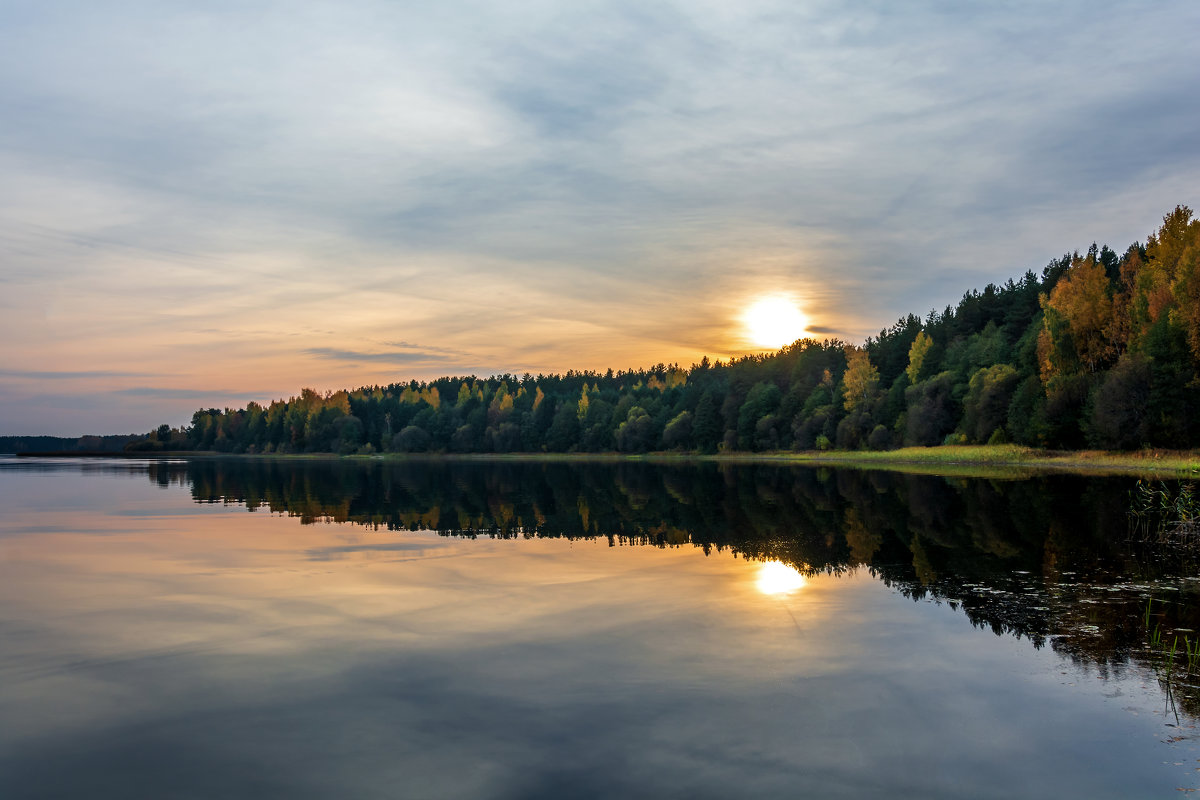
x=774 y=322
x=775 y=577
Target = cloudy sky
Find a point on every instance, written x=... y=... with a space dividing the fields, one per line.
x=207 y=203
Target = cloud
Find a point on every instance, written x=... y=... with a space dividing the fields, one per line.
x=541 y=186
x=423 y=348
x=71 y=375
x=393 y=357
x=165 y=393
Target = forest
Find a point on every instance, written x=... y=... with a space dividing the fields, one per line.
x=1099 y=350
x=68 y=444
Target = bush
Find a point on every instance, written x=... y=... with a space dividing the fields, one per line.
x=880 y=439
x=1026 y=413
x=412 y=439
x=636 y=434
x=989 y=394
x=1119 y=414
x=932 y=411
x=854 y=429
x=678 y=432
x=823 y=443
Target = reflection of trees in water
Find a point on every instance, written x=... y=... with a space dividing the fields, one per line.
x=1046 y=559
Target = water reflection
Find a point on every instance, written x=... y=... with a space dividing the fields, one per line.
x=196 y=650
x=1046 y=559
x=775 y=577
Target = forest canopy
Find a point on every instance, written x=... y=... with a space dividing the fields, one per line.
x=1098 y=350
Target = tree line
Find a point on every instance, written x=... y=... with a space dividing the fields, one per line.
x=69 y=444
x=1098 y=350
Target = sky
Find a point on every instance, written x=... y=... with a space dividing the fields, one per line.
x=203 y=204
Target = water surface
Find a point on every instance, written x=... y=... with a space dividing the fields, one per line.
x=510 y=630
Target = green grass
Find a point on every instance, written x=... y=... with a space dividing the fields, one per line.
x=984 y=461
x=1011 y=457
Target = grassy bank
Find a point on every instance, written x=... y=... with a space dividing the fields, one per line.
x=961 y=460
x=946 y=458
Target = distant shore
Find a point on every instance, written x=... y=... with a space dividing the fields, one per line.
x=959 y=460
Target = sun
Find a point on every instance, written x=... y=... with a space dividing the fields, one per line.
x=774 y=322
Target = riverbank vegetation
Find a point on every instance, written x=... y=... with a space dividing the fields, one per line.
x=1100 y=350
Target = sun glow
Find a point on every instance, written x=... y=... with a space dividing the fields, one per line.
x=774 y=322
x=775 y=577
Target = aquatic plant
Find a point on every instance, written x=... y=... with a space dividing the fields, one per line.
x=1192 y=650
x=1158 y=514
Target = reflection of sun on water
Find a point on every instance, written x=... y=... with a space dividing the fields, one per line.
x=777 y=578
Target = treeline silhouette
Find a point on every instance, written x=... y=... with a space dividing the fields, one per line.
x=1046 y=558
x=65 y=444
x=1102 y=349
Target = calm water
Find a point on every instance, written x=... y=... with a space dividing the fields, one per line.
x=520 y=630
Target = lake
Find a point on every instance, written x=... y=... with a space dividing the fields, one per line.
x=516 y=629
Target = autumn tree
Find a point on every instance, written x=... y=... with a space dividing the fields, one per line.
x=916 y=356
x=1177 y=250
x=1077 y=322
x=861 y=378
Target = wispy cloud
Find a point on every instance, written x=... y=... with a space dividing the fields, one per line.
x=544 y=187
x=409 y=346
x=400 y=357
x=54 y=375
x=165 y=393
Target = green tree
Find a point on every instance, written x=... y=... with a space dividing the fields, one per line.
x=706 y=427
x=636 y=433
x=677 y=434
x=1121 y=404
x=985 y=406
x=564 y=430
x=412 y=439
x=762 y=399
x=932 y=412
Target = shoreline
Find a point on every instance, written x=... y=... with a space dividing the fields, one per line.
x=953 y=460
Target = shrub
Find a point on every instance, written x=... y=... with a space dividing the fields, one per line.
x=880 y=439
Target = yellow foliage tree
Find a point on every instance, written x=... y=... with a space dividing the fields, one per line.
x=1176 y=250
x=582 y=409
x=861 y=378
x=464 y=395
x=339 y=400
x=1078 y=322
x=916 y=355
